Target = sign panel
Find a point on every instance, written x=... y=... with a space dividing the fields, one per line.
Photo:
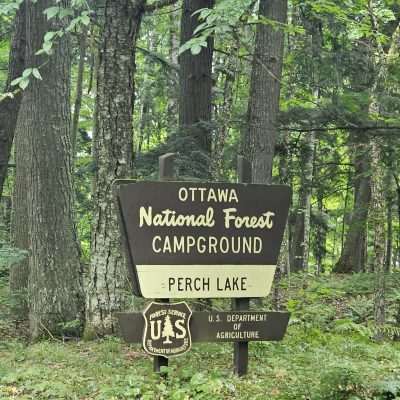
x=166 y=331
x=224 y=326
x=191 y=239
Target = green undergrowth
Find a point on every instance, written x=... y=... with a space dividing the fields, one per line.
x=327 y=354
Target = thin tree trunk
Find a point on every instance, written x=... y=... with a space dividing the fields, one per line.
x=173 y=98
x=389 y=197
x=224 y=113
x=195 y=76
x=9 y=107
x=112 y=150
x=146 y=98
x=79 y=90
x=300 y=240
x=377 y=218
x=54 y=287
x=265 y=85
x=320 y=245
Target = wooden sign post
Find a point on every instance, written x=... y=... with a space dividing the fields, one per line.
x=241 y=349
x=166 y=173
x=201 y=240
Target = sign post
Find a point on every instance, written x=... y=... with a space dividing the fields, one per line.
x=201 y=240
x=166 y=173
x=241 y=349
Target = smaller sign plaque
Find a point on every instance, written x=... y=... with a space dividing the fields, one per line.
x=216 y=326
x=166 y=331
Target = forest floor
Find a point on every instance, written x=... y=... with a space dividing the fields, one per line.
x=327 y=354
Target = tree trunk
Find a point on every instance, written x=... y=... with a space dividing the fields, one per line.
x=112 y=151
x=9 y=107
x=301 y=236
x=377 y=220
x=19 y=271
x=320 y=236
x=265 y=85
x=389 y=200
x=79 y=90
x=173 y=87
x=352 y=257
x=195 y=79
x=300 y=239
x=54 y=286
x=224 y=112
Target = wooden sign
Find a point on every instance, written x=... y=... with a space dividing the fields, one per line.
x=166 y=331
x=224 y=326
x=194 y=240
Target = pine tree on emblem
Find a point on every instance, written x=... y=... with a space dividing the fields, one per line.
x=168 y=330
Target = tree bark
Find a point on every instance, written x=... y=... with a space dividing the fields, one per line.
x=19 y=271
x=195 y=77
x=389 y=202
x=173 y=87
x=300 y=238
x=224 y=111
x=265 y=85
x=54 y=288
x=377 y=220
x=112 y=151
x=352 y=257
x=9 y=107
x=301 y=235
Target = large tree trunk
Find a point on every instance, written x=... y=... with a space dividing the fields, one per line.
x=112 y=151
x=9 y=107
x=352 y=258
x=54 y=288
x=195 y=79
x=265 y=85
x=19 y=230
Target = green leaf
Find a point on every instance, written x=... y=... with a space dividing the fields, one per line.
x=27 y=72
x=85 y=20
x=65 y=12
x=49 y=36
x=196 y=49
x=16 y=81
x=51 y=12
x=36 y=74
x=24 y=83
x=47 y=46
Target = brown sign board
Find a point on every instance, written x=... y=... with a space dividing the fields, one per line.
x=224 y=326
x=192 y=239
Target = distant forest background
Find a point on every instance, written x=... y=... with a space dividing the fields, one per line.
x=92 y=91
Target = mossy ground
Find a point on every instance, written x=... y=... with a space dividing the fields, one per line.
x=327 y=354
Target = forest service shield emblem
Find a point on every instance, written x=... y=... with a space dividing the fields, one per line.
x=166 y=331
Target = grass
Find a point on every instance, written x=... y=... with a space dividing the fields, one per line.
x=317 y=360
